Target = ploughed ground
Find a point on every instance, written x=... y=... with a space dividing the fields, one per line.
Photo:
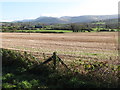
x=101 y=46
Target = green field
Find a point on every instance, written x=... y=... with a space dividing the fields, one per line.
x=99 y=23
x=61 y=31
x=56 y=31
x=96 y=29
x=44 y=31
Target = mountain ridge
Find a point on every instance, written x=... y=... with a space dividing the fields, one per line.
x=70 y=19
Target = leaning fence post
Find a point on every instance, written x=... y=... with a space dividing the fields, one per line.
x=54 y=60
x=44 y=56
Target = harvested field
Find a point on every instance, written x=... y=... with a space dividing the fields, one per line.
x=69 y=46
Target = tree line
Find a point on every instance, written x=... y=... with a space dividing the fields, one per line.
x=75 y=27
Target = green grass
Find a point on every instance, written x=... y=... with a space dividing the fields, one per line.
x=44 y=31
x=95 y=29
x=99 y=23
x=55 y=31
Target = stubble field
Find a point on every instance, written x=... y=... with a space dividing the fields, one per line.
x=100 y=46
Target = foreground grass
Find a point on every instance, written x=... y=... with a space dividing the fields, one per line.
x=22 y=70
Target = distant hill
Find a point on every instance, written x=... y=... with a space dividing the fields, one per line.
x=69 y=19
x=48 y=20
x=111 y=21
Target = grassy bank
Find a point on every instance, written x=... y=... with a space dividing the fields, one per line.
x=22 y=70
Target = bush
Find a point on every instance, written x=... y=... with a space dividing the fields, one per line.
x=24 y=84
x=16 y=60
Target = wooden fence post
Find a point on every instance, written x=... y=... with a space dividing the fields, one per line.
x=44 y=56
x=54 y=60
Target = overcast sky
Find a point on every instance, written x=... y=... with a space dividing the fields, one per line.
x=30 y=9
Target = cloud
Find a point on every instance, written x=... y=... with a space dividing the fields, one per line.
x=96 y=7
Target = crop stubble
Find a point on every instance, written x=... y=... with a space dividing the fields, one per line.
x=69 y=46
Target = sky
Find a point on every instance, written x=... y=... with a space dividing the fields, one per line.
x=11 y=10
